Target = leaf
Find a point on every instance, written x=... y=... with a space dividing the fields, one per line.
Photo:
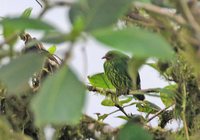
x=140 y=42
x=123 y=117
x=22 y=23
x=60 y=99
x=125 y=101
x=134 y=132
x=153 y=65
x=52 y=49
x=100 y=80
x=16 y=74
x=102 y=117
x=99 y=13
x=10 y=33
x=27 y=12
x=55 y=37
x=107 y=102
x=147 y=107
x=167 y=94
x=145 y=1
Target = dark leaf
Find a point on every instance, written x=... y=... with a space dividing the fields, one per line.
x=140 y=42
x=22 y=23
x=134 y=132
x=97 y=14
x=17 y=73
x=60 y=99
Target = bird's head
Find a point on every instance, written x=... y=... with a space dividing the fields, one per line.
x=113 y=55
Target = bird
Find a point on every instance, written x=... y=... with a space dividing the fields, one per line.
x=116 y=71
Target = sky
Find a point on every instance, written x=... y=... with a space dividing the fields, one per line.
x=86 y=58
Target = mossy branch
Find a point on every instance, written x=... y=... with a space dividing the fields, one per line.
x=131 y=92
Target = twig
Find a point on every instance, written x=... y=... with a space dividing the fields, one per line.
x=48 y=6
x=122 y=110
x=158 y=113
x=183 y=111
x=39 y=3
x=189 y=15
x=85 y=60
x=119 y=109
x=161 y=11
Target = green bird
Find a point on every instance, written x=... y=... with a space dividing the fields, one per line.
x=116 y=70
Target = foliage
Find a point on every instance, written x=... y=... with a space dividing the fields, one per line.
x=38 y=88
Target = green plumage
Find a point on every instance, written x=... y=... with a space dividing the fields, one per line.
x=116 y=70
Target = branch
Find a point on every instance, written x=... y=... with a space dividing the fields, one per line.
x=165 y=12
x=113 y=92
x=48 y=6
x=122 y=110
x=183 y=111
x=39 y=3
x=189 y=15
x=122 y=107
x=158 y=113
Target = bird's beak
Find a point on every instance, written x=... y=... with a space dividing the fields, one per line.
x=104 y=57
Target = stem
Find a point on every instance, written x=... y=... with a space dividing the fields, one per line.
x=165 y=12
x=183 y=112
x=158 y=113
x=122 y=110
x=39 y=3
x=189 y=15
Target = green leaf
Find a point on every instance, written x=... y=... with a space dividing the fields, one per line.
x=145 y=1
x=123 y=117
x=99 y=13
x=147 y=107
x=140 y=42
x=52 y=49
x=60 y=99
x=16 y=74
x=134 y=132
x=102 y=117
x=55 y=37
x=27 y=12
x=107 y=102
x=153 y=65
x=22 y=23
x=125 y=101
x=100 y=80
x=11 y=34
x=167 y=94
